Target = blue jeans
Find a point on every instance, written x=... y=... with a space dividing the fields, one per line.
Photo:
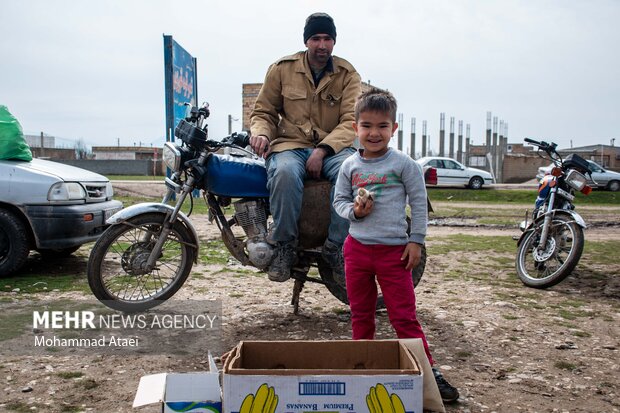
x=286 y=172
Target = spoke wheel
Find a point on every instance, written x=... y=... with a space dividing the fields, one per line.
x=544 y=267
x=117 y=272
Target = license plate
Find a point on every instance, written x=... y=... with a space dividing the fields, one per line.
x=109 y=212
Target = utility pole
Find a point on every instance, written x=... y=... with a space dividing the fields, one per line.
x=459 y=151
x=400 y=131
x=412 y=144
x=230 y=121
x=442 y=133
x=451 y=149
x=467 y=143
x=423 y=138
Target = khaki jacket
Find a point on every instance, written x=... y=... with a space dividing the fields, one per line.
x=293 y=114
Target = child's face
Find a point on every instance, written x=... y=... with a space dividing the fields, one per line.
x=374 y=130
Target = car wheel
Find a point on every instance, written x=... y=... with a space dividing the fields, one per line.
x=613 y=186
x=14 y=248
x=476 y=182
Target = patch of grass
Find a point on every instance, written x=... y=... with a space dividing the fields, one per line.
x=573 y=315
x=13 y=325
x=19 y=407
x=235 y=295
x=601 y=252
x=510 y=317
x=472 y=244
x=135 y=178
x=565 y=365
x=214 y=252
x=200 y=207
x=87 y=384
x=517 y=196
x=69 y=408
x=339 y=310
x=583 y=334
x=42 y=281
x=573 y=303
x=463 y=354
x=69 y=374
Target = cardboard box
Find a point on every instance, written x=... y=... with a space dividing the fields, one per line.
x=182 y=392
x=325 y=376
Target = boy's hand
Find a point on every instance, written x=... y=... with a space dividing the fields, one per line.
x=413 y=254
x=362 y=208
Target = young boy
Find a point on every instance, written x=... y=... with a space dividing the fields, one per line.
x=378 y=244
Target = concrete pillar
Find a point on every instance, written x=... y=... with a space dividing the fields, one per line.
x=442 y=133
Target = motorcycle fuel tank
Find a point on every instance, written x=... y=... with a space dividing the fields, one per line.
x=236 y=177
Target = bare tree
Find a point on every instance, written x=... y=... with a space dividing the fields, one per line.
x=82 y=151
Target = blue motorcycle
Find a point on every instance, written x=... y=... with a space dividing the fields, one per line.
x=148 y=251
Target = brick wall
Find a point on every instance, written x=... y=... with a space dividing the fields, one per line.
x=249 y=95
x=519 y=168
x=53 y=154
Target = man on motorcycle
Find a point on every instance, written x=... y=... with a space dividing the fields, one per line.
x=302 y=124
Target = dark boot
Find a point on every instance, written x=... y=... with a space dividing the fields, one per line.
x=332 y=254
x=283 y=260
x=448 y=392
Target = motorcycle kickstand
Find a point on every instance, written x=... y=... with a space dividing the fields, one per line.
x=299 y=285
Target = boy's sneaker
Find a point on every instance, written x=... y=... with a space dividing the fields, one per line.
x=284 y=259
x=448 y=392
x=332 y=254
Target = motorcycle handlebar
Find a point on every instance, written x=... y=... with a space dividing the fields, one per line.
x=238 y=138
x=547 y=147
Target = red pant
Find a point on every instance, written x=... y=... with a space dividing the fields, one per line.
x=362 y=263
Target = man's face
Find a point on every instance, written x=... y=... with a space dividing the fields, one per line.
x=320 y=47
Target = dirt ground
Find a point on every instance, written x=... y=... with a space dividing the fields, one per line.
x=506 y=347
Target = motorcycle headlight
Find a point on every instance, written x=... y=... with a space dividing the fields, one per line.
x=172 y=156
x=575 y=179
x=66 y=191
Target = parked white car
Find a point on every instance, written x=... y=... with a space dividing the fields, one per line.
x=49 y=207
x=601 y=178
x=451 y=172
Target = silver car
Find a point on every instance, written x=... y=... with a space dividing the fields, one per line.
x=49 y=207
x=601 y=178
x=451 y=172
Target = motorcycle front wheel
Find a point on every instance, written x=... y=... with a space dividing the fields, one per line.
x=340 y=292
x=116 y=272
x=543 y=268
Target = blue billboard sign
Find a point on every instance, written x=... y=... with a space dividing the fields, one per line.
x=180 y=83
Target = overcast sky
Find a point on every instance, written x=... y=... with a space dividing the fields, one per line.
x=94 y=69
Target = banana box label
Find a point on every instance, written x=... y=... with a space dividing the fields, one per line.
x=301 y=394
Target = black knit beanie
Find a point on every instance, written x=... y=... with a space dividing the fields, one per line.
x=319 y=23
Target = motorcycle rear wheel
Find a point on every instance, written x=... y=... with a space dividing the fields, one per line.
x=114 y=267
x=564 y=248
x=340 y=292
